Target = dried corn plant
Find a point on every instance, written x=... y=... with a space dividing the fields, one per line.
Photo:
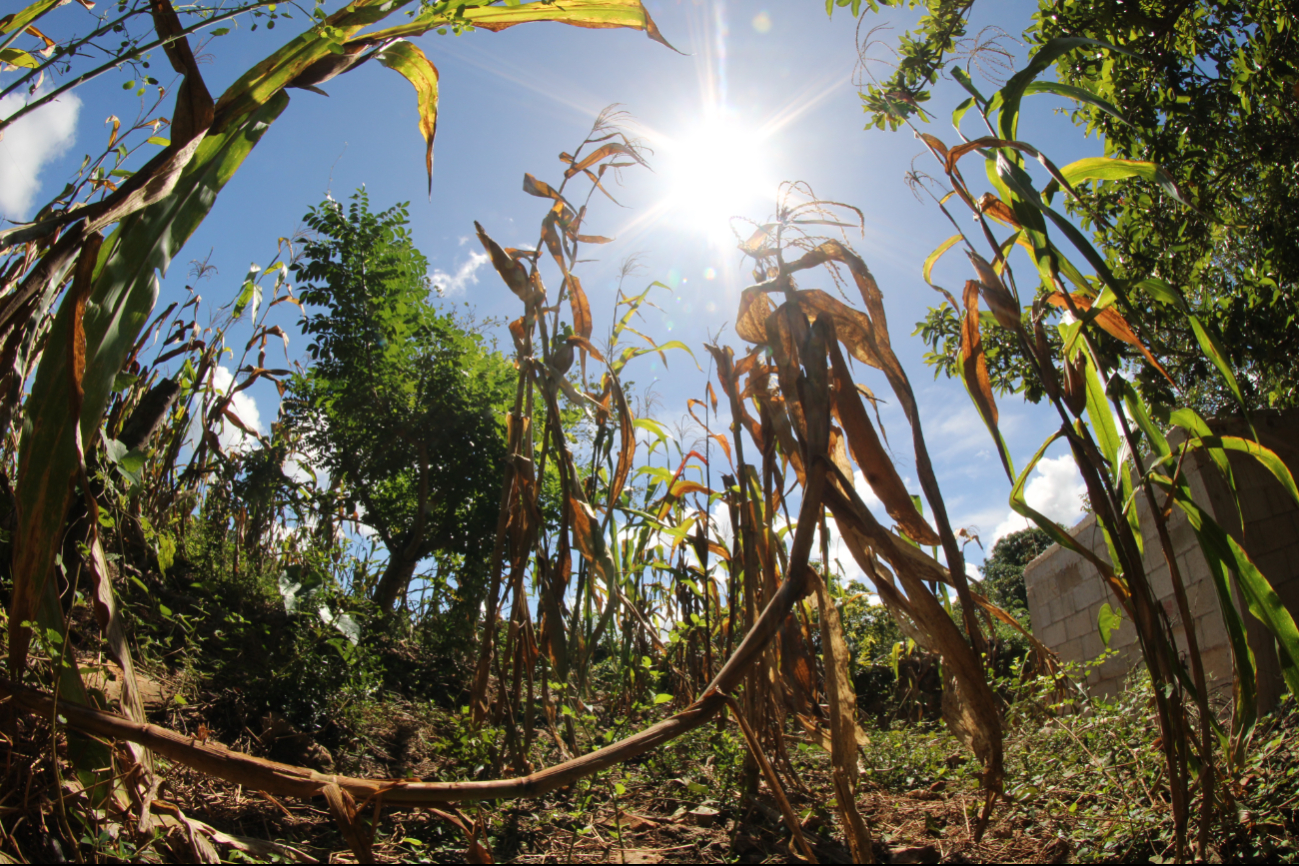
x=109 y=286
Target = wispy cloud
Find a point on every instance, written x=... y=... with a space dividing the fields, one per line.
x=466 y=275
x=28 y=145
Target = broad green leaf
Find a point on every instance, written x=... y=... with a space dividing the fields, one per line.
x=114 y=450
x=17 y=57
x=17 y=21
x=423 y=75
x=662 y=699
x=1006 y=101
x=1104 y=168
x=1074 y=92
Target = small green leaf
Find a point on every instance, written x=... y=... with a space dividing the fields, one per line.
x=114 y=450
x=662 y=699
x=1108 y=620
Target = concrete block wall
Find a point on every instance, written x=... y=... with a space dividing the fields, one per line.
x=1065 y=592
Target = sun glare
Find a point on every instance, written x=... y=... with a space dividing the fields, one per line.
x=716 y=172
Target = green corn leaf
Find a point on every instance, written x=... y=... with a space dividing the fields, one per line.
x=1244 y=711
x=1103 y=168
x=1006 y=100
x=1076 y=93
x=1190 y=420
x=597 y=14
x=1213 y=347
x=1260 y=597
x=120 y=303
x=1058 y=534
x=1264 y=455
x=963 y=79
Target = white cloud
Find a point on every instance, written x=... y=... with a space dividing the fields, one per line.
x=29 y=144
x=1056 y=490
x=466 y=275
x=244 y=407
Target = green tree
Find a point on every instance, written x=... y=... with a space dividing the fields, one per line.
x=1207 y=89
x=402 y=403
x=1003 y=570
x=1210 y=92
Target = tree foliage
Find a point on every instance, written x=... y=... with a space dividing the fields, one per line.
x=1003 y=570
x=1209 y=91
x=402 y=402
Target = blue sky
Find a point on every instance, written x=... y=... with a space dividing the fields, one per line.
x=774 y=79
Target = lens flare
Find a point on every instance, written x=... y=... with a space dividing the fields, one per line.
x=716 y=171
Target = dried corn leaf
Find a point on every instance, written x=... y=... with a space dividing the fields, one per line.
x=872 y=459
x=1111 y=322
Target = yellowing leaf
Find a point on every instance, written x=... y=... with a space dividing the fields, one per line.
x=420 y=72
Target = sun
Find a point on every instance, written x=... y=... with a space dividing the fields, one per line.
x=716 y=171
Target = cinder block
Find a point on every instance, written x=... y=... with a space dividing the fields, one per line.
x=1253 y=507
x=1280 y=501
x=1116 y=667
x=1092 y=645
x=1083 y=623
x=1218 y=663
x=1053 y=635
x=1072 y=651
x=1181 y=533
x=1279 y=531
x=1089 y=593
x=1160 y=583
x=1211 y=631
x=1126 y=636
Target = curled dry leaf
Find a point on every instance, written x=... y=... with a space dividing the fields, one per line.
x=880 y=472
x=1111 y=322
x=510 y=270
x=996 y=295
